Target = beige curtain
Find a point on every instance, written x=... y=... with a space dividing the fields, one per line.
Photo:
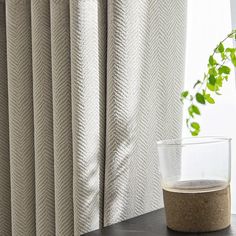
x=86 y=89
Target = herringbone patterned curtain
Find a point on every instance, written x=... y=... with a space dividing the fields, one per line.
x=86 y=88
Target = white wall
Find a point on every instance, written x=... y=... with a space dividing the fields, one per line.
x=209 y=21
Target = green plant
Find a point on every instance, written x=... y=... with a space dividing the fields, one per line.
x=213 y=80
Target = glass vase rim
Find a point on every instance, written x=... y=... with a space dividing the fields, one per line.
x=189 y=141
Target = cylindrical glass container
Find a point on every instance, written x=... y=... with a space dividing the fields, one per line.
x=195 y=175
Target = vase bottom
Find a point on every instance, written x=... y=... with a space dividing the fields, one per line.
x=203 y=211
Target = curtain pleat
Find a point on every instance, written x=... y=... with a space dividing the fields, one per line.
x=43 y=118
x=88 y=64
x=63 y=160
x=86 y=90
x=118 y=139
x=5 y=192
x=169 y=30
x=145 y=67
x=21 y=123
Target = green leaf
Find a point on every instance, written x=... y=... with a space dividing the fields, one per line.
x=184 y=94
x=230 y=50
x=224 y=70
x=190 y=111
x=212 y=80
x=211 y=87
x=212 y=61
x=218 y=93
x=197 y=83
x=196 y=110
x=233 y=58
x=221 y=48
x=223 y=56
x=195 y=125
x=209 y=99
x=195 y=132
x=200 y=98
x=219 y=81
x=212 y=71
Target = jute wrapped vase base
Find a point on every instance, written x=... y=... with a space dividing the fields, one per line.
x=198 y=212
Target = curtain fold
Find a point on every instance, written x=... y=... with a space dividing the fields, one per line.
x=21 y=122
x=43 y=118
x=5 y=189
x=146 y=44
x=88 y=78
x=86 y=90
x=62 y=125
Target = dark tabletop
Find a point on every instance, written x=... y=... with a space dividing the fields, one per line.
x=153 y=224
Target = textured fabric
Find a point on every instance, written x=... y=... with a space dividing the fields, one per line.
x=144 y=80
x=88 y=64
x=86 y=89
x=21 y=125
x=5 y=197
x=43 y=118
x=63 y=160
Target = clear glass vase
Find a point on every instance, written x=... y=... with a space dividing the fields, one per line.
x=195 y=175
